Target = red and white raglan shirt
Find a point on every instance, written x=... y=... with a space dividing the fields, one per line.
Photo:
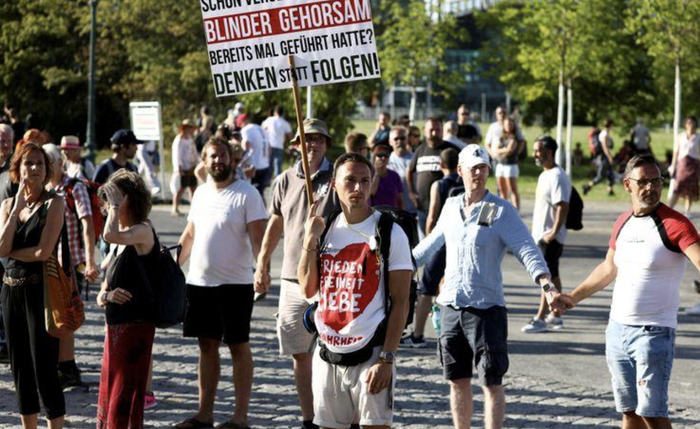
x=650 y=264
x=351 y=304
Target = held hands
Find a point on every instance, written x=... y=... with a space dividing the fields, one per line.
x=262 y=280
x=378 y=377
x=559 y=302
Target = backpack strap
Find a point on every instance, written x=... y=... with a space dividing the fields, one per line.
x=386 y=224
x=329 y=221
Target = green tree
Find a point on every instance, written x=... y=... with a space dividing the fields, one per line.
x=413 y=43
x=668 y=30
x=567 y=44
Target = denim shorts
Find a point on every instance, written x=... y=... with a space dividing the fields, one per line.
x=640 y=359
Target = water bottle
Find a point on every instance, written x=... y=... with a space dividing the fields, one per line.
x=436 y=319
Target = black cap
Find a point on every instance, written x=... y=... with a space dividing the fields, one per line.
x=124 y=137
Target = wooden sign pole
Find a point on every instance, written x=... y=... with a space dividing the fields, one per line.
x=302 y=136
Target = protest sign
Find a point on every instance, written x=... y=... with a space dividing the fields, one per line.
x=249 y=42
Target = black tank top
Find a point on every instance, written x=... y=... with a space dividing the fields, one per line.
x=28 y=234
x=124 y=272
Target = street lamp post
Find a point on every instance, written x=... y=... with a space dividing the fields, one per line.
x=90 y=134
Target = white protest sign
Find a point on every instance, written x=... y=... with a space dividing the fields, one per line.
x=145 y=120
x=249 y=42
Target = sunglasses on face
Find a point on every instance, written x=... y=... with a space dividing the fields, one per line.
x=399 y=138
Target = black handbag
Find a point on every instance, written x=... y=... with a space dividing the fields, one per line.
x=170 y=289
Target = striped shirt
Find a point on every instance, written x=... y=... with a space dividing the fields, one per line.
x=83 y=208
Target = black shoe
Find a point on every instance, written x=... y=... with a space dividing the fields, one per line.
x=70 y=378
x=697 y=285
x=611 y=193
x=4 y=356
x=586 y=189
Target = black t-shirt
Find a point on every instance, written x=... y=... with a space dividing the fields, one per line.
x=108 y=168
x=426 y=165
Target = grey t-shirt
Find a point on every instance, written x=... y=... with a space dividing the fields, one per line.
x=289 y=201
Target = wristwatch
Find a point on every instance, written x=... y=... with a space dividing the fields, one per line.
x=547 y=287
x=386 y=357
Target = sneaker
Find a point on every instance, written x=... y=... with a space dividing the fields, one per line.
x=553 y=322
x=693 y=311
x=413 y=342
x=535 y=326
x=149 y=401
x=586 y=189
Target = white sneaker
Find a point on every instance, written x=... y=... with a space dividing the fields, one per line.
x=693 y=311
x=553 y=322
x=535 y=326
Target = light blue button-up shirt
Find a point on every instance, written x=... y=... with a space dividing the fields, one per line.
x=475 y=252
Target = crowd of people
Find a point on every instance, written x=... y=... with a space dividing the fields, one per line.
x=345 y=294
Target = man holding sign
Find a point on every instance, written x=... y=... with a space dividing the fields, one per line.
x=359 y=327
x=288 y=211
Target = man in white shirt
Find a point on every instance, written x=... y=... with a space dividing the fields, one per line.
x=255 y=143
x=549 y=224
x=449 y=134
x=641 y=137
x=399 y=160
x=278 y=132
x=649 y=249
x=224 y=231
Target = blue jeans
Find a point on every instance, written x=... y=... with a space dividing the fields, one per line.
x=640 y=359
x=422 y=220
x=276 y=159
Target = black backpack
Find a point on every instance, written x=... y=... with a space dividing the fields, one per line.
x=389 y=216
x=574 y=219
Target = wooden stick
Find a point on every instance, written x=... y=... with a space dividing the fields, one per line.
x=302 y=136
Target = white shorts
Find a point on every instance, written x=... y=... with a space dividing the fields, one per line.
x=511 y=170
x=293 y=338
x=341 y=397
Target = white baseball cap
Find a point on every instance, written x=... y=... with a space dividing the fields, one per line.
x=473 y=155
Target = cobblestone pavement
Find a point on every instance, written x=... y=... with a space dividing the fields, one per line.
x=556 y=380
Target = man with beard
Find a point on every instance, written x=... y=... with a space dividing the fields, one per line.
x=224 y=230
x=288 y=212
x=425 y=169
x=647 y=258
x=549 y=224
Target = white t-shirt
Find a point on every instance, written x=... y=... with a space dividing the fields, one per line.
x=351 y=304
x=640 y=137
x=689 y=146
x=258 y=146
x=553 y=187
x=184 y=153
x=221 y=252
x=276 y=128
x=650 y=265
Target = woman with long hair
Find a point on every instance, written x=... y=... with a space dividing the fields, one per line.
x=507 y=170
x=31 y=223
x=685 y=165
x=127 y=294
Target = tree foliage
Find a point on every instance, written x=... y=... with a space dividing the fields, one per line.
x=145 y=51
x=413 y=42
x=583 y=42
